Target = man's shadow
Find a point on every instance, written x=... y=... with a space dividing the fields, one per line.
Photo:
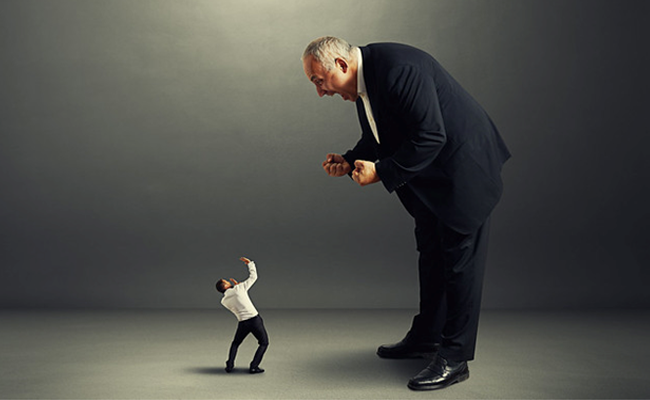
x=359 y=366
x=209 y=370
x=363 y=366
x=217 y=371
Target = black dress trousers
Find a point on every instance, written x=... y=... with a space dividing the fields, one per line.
x=451 y=269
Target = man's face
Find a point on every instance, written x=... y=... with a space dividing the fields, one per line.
x=339 y=80
x=227 y=285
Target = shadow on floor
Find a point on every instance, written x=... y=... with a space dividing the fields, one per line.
x=364 y=366
x=211 y=370
x=358 y=366
x=217 y=371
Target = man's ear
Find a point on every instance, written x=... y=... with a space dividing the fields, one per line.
x=341 y=64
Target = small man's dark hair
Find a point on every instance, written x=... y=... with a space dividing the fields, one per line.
x=221 y=286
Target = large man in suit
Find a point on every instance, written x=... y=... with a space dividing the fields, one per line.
x=425 y=138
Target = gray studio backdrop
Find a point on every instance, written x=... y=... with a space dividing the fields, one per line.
x=146 y=145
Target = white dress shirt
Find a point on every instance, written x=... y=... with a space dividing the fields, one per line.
x=363 y=93
x=236 y=298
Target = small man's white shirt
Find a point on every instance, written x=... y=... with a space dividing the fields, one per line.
x=236 y=298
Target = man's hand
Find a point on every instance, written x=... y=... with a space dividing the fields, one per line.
x=234 y=282
x=244 y=259
x=365 y=173
x=335 y=165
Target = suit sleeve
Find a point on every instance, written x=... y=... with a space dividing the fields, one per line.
x=414 y=100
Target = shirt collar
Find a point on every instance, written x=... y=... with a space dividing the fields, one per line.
x=361 y=83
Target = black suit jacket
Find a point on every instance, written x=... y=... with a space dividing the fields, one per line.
x=434 y=137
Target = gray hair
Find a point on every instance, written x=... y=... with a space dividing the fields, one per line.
x=327 y=49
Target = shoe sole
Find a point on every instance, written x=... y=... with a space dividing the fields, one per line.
x=458 y=379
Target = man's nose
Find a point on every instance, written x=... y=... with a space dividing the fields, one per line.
x=322 y=92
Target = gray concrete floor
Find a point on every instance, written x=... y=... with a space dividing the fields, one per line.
x=314 y=354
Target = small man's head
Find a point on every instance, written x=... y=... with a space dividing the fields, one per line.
x=222 y=285
x=331 y=64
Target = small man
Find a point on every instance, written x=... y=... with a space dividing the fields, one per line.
x=235 y=298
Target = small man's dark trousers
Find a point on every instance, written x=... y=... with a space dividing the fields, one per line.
x=255 y=326
x=451 y=268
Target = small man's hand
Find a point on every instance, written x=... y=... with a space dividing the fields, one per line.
x=335 y=165
x=244 y=259
x=234 y=282
x=365 y=173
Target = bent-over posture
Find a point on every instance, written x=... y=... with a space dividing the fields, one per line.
x=425 y=138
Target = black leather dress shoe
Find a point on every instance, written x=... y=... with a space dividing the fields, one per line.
x=407 y=348
x=440 y=374
x=229 y=367
x=256 y=370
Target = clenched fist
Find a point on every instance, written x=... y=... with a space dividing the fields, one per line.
x=335 y=165
x=365 y=173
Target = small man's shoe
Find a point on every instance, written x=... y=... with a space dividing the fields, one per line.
x=440 y=374
x=229 y=367
x=408 y=348
x=256 y=370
